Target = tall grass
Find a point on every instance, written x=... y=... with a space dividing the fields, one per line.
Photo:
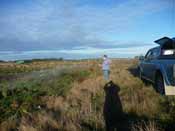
x=72 y=98
x=25 y=96
x=143 y=126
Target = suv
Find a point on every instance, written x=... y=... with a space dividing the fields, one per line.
x=158 y=66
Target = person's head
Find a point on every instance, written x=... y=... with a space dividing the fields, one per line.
x=105 y=56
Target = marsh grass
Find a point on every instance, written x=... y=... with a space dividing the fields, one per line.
x=146 y=126
x=25 y=96
x=70 y=96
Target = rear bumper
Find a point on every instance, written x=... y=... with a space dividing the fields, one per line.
x=169 y=90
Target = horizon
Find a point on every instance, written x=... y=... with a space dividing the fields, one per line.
x=61 y=59
x=82 y=29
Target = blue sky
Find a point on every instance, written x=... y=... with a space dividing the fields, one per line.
x=82 y=28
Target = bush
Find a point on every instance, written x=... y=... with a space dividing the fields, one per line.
x=25 y=97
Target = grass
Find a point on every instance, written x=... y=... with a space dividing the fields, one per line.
x=143 y=126
x=26 y=95
x=61 y=95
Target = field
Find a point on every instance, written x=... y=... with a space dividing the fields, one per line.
x=72 y=96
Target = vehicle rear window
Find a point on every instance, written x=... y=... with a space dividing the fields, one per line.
x=168 y=49
x=168 y=52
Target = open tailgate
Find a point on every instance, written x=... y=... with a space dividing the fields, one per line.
x=164 y=40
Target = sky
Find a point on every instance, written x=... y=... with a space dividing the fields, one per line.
x=77 y=29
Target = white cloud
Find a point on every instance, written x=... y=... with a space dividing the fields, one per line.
x=87 y=52
x=50 y=20
x=61 y=24
x=127 y=51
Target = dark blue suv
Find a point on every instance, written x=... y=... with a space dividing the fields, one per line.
x=158 y=66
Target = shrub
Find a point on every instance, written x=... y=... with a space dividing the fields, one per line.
x=25 y=95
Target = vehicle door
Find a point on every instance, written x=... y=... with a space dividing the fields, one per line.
x=150 y=63
x=146 y=64
x=153 y=60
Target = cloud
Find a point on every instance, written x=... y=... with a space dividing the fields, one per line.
x=67 y=25
x=132 y=51
x=76 y=53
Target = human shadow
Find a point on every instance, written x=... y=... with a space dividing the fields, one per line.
x=117 y=120
x=113 y=111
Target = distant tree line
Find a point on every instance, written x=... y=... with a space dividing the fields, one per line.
x=45 y=59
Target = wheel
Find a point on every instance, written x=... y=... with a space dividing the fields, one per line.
x=159 y=84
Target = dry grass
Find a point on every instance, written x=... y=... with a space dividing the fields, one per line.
x=82 y=107
x=143 y=126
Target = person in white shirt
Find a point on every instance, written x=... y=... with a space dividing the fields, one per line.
x=106 y=67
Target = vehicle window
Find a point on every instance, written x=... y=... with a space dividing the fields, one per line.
x=168 y=49
x=156 y=53
x=153 y=54
x=168 y=52
x=149 y=54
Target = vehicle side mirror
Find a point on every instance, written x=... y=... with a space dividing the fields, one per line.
x=141 y=58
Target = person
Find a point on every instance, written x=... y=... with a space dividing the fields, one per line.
x=106 y=67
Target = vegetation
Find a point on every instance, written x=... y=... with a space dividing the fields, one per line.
x=25 y=95
x=70 y=95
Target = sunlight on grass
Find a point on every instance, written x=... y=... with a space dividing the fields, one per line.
x=72 y=97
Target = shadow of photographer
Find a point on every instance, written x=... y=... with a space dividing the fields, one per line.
x=113 y=112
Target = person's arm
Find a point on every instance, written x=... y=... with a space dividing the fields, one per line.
x=109 y=61
x=100 y=65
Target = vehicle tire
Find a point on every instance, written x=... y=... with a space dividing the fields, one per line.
x=159 y=84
